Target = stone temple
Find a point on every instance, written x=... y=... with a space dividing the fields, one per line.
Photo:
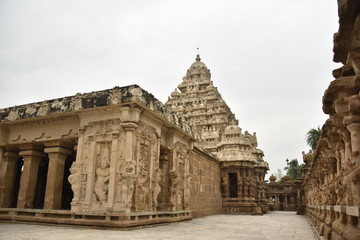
x=120 y=158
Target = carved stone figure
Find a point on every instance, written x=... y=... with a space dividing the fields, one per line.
x=75 y=181
x=102 y=176
x=158 y=176
x=187 y=191
x=127 y=183
x=223 y=186
x=174 y=182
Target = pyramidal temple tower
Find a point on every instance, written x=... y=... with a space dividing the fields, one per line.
x=216 y=128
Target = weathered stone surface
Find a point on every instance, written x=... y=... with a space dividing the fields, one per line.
x=87 y=101
x=332 y=171
x=216 y=129
x=112 y=158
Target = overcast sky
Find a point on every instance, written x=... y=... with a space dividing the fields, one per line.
x=270 y=59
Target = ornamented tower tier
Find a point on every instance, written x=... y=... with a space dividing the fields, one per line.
x=201 y=103
x=217 y=130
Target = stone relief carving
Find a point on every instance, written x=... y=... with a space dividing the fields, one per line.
x=174 y=183
x=102 y=175
x=158 y=176
x=126 y=184
x=187 y=191
x=75 y=179
x=224 y=186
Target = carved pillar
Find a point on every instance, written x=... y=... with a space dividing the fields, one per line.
x=7 y=173
x=112 y=176
x=55 y=176
x=277 y=202
x=129 y=136
x=239 y=182
x=90 y=172
x=128 y=155
x=29 y=175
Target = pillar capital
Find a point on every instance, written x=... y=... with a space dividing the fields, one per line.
x=57 y=150
x=32 y=153
x=129 y=126
x=60 y=142
x=130 y=114
x=10 y=156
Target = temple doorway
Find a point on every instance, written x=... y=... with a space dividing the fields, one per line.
x=17 y=176
x=40 y=189
x=233 y=185
x=281 y=199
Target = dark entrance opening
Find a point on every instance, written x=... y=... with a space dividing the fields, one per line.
x=41 y=184
x=67 y=193
x=281 y=199
x=17 y=176
x=233 y=185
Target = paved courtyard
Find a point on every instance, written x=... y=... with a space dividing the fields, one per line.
x=276 y=226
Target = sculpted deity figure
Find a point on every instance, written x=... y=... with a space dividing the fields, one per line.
x=75 y=181
x=102 y=176
x=223 y=185
x=247 y=186
x=128 y=179
x=174 y=182
x=187 y=191
x=158 y=175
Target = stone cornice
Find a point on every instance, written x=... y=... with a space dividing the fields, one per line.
x=46 y=111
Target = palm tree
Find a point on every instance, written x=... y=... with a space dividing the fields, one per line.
x=312 y=137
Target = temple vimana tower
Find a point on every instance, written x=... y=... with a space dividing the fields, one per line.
x=120 y=158
x=217 y=131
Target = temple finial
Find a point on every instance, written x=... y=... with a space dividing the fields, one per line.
x=198 y=59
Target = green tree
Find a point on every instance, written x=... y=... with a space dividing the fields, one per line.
x=312 y=137
x=293 y=168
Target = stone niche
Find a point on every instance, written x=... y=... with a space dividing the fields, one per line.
x=114 y=158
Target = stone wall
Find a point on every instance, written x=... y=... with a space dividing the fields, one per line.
x=116 y=158
x=205 y=184
x=332 y=172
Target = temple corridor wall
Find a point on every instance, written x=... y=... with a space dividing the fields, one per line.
x=205 y=184
x=331 y=188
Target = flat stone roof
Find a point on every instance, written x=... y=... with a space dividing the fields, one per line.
x=84 y=101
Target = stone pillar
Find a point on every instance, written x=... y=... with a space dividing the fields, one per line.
x=112 y=176
x=90 y=173
x=129 y=129
x=29 y=175
x=7 y=173
x=239 y=183
x=55 y=176
x=4 y=134
x=128 y=151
